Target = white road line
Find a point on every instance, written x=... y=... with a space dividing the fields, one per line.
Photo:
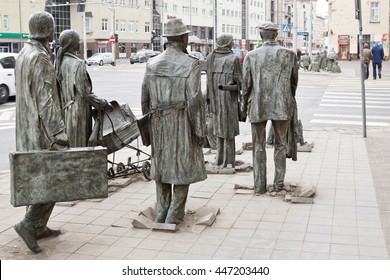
x=354 y=106
x=357 y=94
x=354 y=101
x=8 y=109
x=351 y=116
x=348 y=122
x=7 y=127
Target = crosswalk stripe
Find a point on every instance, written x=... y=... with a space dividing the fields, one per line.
x=348 y=122
x=351 y=116
x=354 y=106
x=354 y=101
x=7 y=127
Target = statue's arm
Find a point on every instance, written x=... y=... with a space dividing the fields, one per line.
x=145 y=95
x=246 y=84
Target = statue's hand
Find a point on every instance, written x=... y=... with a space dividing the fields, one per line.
x=61 y=139
x=109 y=107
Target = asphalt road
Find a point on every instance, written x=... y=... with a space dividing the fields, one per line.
x=324 y=100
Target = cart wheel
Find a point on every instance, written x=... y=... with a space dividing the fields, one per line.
x=111 y=173
x=121 y=167
x=146 y=170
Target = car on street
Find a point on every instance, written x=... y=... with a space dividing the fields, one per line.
x=240 y=54
x=142 y=56
x=202 y=59
x=7 y=76
x=100 y=59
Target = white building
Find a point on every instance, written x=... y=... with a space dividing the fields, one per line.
x=344 y=27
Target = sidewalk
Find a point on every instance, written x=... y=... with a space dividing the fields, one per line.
x=349 y=219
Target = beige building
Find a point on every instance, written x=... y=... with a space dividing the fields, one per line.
x=132 y=18
x=344 y=27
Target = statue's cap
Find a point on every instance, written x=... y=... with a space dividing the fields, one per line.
x=268 y=25
x=175 y=27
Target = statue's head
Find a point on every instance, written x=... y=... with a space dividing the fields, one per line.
x=225 y=40
x=268 y=31
x=176 y=31
x=41 y=25
x=69 y=40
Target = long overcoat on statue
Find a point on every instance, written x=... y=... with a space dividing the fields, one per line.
x=171 y=93
x=38 y=106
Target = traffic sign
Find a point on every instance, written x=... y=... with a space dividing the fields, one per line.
x=286 y=28
x=112 y=39
x=303 y=33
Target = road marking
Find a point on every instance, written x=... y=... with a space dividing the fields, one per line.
x=354 y=101
x=351 y=116
x=354 y=106
x=348 y=122
x=7 y=127
x=356 y=94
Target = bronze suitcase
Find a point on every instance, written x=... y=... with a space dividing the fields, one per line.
x=63 y=175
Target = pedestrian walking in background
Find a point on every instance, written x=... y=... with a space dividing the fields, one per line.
x=367 y=56
x=377 y=58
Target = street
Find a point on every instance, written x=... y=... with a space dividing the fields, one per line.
x=324 y=100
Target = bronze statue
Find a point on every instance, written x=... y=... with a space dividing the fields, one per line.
x=39 y=121
x=76 y=91
x=171 y=95
x=270 y=78
x=224 y=76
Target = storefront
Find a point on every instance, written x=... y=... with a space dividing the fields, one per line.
x=344 y=47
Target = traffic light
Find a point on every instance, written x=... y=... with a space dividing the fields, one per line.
x=116 y=38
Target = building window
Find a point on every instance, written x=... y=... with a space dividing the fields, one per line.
x=174 y=8
x=123 y=26
x=374 y=12
x=5 y=25
x=104 y=24
x=147 y=4
x=122 y=2
x=131 y=27
x=133 y=3
x=223 y=28
x=147 y=27
x=88 y=26
x=116 y=25
x=203 y=12
x=186 y=10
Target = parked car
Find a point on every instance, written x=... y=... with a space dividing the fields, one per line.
x=7 y=77
x=240 y=54
x=101 y=59
x=202 y=59
x=142 y=56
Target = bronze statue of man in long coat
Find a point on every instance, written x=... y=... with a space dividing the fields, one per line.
x=224 y=68
x=39 y=119
x=270 y=78
x=76 y=91
x=171 y=94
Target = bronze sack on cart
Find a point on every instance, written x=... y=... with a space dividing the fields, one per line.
x=63 y=175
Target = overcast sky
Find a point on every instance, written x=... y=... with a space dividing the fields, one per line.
x=322 y=7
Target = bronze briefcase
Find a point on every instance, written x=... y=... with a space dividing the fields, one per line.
x=63 y=175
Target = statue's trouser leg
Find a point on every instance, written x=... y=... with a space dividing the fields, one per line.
x=230 y=152
x=220 y=149
x=164 y=197
x=270 y=138
x=38 y=215
x=259 y=156
x=177 y=210
x=280 y=129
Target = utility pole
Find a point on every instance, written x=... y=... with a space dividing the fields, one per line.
x=358 y=16
x=310 y=29
x=295 y=25
x=113 y=32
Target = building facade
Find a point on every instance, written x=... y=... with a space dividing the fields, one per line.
x=140 y=23
x=344 y=27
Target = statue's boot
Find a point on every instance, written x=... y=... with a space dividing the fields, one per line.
x=27 y=233
x=47 y=232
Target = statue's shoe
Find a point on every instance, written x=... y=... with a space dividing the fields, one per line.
x=47 y=232
x=26 y=232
